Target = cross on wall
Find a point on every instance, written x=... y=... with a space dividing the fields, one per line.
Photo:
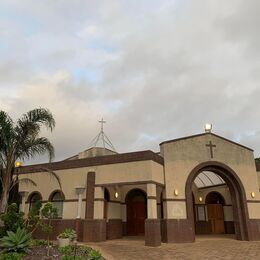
x=211 y=146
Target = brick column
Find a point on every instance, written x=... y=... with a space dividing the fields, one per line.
x=89 y=213
x=94 y=225
x=152 y=223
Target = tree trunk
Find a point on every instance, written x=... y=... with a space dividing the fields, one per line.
x=6 y=184
x=4 y=199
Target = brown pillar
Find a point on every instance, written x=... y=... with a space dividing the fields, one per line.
x=152 y=232
x=94 y=230
x=90 y=193
x=78 y=229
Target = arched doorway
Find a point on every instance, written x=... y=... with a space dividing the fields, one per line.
x=239 y=205
x=136 y=206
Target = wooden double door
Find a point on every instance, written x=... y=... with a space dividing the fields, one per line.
x=136 y=215
x=216 y=218
x=136 y=206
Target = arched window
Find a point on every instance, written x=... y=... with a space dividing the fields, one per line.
x=57 y=198
x=34 y=198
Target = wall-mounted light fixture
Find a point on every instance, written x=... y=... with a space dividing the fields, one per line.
x=208 y=128
x=176 y=192
x=116 y=194
x=200 y=199
x=18 y=164
x=252 y=194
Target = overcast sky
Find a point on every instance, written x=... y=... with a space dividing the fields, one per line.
x=155 y=70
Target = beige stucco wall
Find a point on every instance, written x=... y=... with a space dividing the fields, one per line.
x=182 y=156
x=129 y=172
x=108 y=174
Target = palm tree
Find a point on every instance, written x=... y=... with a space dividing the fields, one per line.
x=21 y=140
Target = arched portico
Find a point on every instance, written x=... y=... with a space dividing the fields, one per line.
x=240 y=211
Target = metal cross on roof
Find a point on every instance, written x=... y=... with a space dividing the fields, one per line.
x=102 y=137
x=102 y=124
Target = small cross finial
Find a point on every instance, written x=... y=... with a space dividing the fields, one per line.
x=102 y=122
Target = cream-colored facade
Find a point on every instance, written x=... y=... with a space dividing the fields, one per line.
x=163 y=177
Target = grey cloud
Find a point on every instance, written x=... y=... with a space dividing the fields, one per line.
x=173 y=67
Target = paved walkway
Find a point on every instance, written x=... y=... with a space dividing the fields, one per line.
x=205 y=247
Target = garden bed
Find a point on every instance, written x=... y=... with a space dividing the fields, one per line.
x=41 y=252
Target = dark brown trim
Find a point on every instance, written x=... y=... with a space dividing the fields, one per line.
x=151 y=197
x=198 y=135
x=212 y=186
x=71 y=200
x=95 y=161
x=114 y=201
x=128 y=183
x=171 y=199
x=253 y=201
x=99 y=199
x=68 y=200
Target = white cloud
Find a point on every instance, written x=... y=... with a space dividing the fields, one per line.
x=164 y=69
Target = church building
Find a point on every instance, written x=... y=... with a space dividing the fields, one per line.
x=199 y=184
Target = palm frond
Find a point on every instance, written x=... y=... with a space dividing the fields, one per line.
x=40 y=116
x=26 y=181
x=7 y=134
x=51 y=173
x=36 y=146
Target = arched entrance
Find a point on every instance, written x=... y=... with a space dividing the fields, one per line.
x=237 y=192
x=136 y=206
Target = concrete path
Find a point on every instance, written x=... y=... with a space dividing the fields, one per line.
x=205 y=247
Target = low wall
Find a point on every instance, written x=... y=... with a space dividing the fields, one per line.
x=58 y=227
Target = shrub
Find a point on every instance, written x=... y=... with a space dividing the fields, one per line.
x=72 y=257
x=41 y=242
x=68 y=233
x=13 y=219
x=2 y=232
x=68 y=250
x=16 y=242
x=79 y=252
x=94 y=255
x=11 y=256
x=48 y=212
x=33 y=219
